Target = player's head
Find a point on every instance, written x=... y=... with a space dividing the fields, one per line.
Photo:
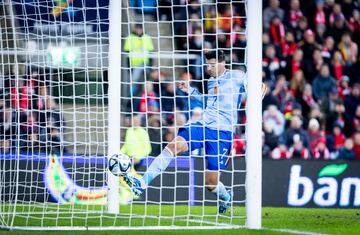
x=215 y=60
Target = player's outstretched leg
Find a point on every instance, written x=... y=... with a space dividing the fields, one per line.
x=159 y=164
x=224 y=205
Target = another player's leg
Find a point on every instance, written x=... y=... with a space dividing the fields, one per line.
x=160 y=163
x=214 y=185
x=217 y=148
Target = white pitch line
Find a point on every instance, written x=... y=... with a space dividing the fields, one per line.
x=292 y=231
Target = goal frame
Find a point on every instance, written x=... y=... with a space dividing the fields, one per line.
x=254 y=115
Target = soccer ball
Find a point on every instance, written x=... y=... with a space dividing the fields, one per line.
x=119 y=164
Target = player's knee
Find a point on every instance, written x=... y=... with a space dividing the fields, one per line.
x=211 y=183
x=171 y=148
x=177 y=147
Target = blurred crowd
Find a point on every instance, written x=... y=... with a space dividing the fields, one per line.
x=311 y=67
x=29 y=118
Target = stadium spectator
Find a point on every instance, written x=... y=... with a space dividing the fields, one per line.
x=196 y=47
x=154 y=131
x=294 y=63
x=337 y=66
x=210 y=17
x=336 y=12
x=347 y=151
x=289 y=47
x=270 y=138
x=274 y=119
x=227 y=18
x=294 y=13
x=239 y=44
x=272 y=10
x=269 y=98
x=356 y=119
x=165 y=10
x=327 y=49
x=7 y=129
x=277 y=31
x=354 y=24
x=335 y=140
x=194 y=25
x=348 y=49
x=356 y=148
x=29 y=132
x=323 y=83
x=138 y=44
x=51 y=138
x=320 y=31
x=149 y=102
x=46 y=107
x=281 y=91
x=344 y=87
x=328 y=103
x=347 y=7
x=315 y=134
x=291 y=109
x=307 y=101
x=321 y=152
x=300 y=29
x=297 y=149
x=21 y=92
x=280 y=152
x=308 y=45
x=170 y=100
x=341 y=118
x=320 y=17
x=297 y=84
x=137 y=142
x=271 y=65
x=352 y=100
x=295 y=129
x=338 y=28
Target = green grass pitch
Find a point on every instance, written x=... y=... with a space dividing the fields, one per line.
x=274 y=221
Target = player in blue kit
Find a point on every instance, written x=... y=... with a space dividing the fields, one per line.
x=214 y=132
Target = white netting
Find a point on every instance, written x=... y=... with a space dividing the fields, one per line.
x=54 y=81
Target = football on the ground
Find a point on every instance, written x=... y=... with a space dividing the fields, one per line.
x=119 y=164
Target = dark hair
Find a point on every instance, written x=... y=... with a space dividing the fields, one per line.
x=213 y=54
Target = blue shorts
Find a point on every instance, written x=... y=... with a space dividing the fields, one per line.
x=217 y=143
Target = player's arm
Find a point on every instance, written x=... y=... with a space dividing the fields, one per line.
x=193 y=92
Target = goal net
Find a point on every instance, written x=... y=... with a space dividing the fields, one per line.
x=82 y=80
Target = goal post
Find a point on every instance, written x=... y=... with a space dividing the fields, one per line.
x=254 y=115
x=114 y=94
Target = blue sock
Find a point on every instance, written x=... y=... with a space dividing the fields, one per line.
x=220 y=191
x=159 y=164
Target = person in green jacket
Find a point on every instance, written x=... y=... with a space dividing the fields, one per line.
x=137 y=146
x=137 y=142
x=139 y=45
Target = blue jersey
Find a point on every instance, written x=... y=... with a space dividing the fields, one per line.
x=223 y=100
